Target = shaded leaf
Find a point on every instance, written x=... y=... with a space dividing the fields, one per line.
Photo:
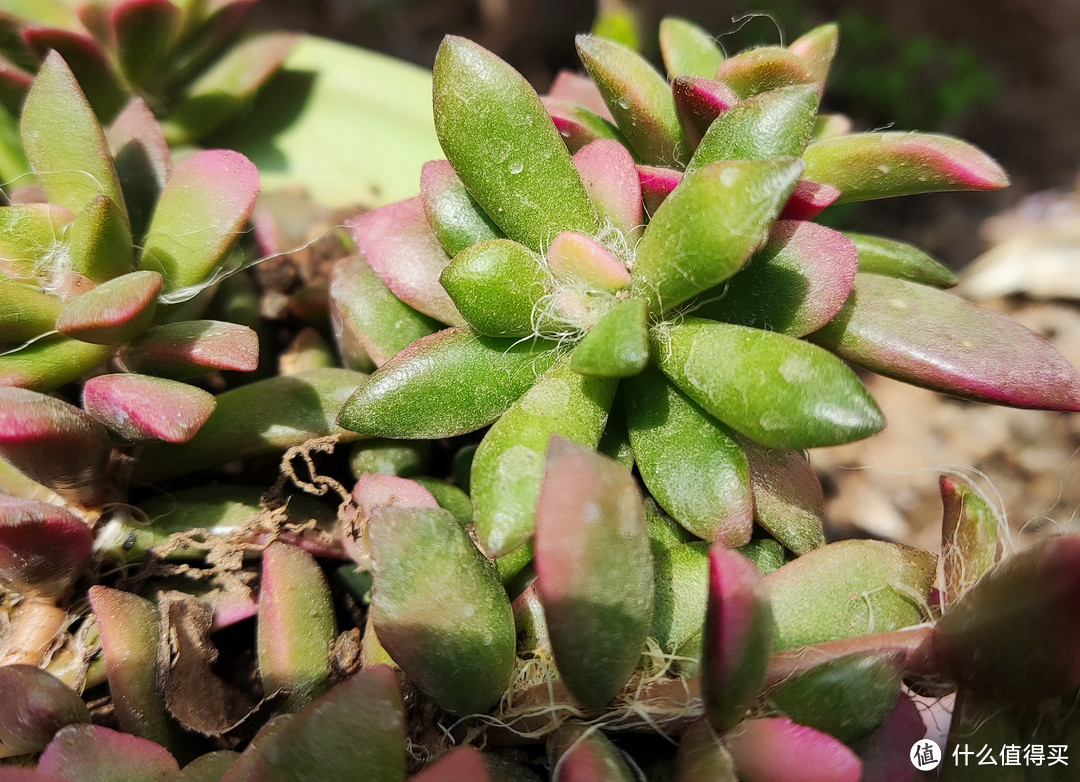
x=788 y=500
x=100 y=241
x=34 y=705
x=191 y=348
x=497 y=286
x=44 y=549
x=808 y=199
x=776 y=749
x=885 y=753
x=28 y=311
x=144 y=33
x=142 y=159
x=580 y=754
x=702 y=756
x=579 y=88
x=579 y=126
x=92 y=753
x=453 y=214
x=47 y=364
x=969 y=536
x=699 y=102
x=682 y=588
x=464 y=762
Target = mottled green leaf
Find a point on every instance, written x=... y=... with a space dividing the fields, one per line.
x=47 y=364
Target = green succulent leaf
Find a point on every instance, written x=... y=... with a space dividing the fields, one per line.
x=617 y=346
x=778 y=391
x=881 y=255
x=691 y=463
x=509 y=464
x=213 y=189
x=581 y=753
x=594 y=570
x=581 y=260
x=371 y=316
x=682 y=588
x=100 y=241
x=30 y=236
x=777 y=123
x=818 y=47
x=210 y=767
x=88 y=62
x=847 y=697
x=639 y=98
x=764 y=68
x=880 y=165
x=409 y=396
x=453 y=214
x=932 y=338
x=688 y=50
x=34 y=706
x=849 y=588
x=708 y=228
x=145 y=33
x=440 y=609
x=28 y=311
x=64 y=141
x=788 y=500
x=793 y=285
x=47 y=364
x=701 y=755
x=970 y=543
x=700 y=101
x=113 y=312
x=497 y=286
x=497 y=134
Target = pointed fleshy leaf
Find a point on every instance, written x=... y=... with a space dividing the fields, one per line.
x=577 y=258
x=509 y=463
x=145 y=32
x=87 y=61
x=639 y=99
x=28 y=311
x=54 y=443
x=263 y=417
x=525 y=181
x=580 y=754
x=191 y=348
x=669 y=432
x=34 y=705
x=881 y=255
x=407 y=397
x=241 y=770
x=849 y=588
x=788 y=500
x=702 y=755
x=44 y=549
x=296 y=625
x=100 y=241
x=140 y=407
x=793 y=285
x=688 y=50
x=47 y=364
x=440 y=609
x=579 y=126
x=92 y=753
x=808 y=200
x=607 y=171
x=449 y=496
x=373 y=491
x=224 y=89
x=400 y=246
x=969 y=535
x=114 y=311
x=366 y=313
x=777 y=123
x=618 y=345
x=765 y=68
x=738 y=637
x=881 y=165
x=775 y=749
x=464 y=762
x=210 y=767
x=831 y=126
x=142 y=160
x=64 y=142
x=699 y=101
x=931 y=338
x=847 y=697
x=497 y=286
x=657 y=184
x=324 y=740
x=128 y=625
x=817 y=48
x=712 y=223
x=30 y=237
x=580 y=89
x=453 y=214
x=985 y=636
x=594 y=570
x=682 y=588
x=778 y=391
x=214 y=189
x=885 y=753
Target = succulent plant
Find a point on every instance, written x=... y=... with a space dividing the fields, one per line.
x=183 y=59
x=663 y=292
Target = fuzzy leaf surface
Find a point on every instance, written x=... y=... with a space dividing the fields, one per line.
x=114 y=311
x=881 y=255
x=618 y=345
x=687 y=49
x=497 y=286
x=453 y=214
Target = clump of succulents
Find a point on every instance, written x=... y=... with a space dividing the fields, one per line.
x=182 y=58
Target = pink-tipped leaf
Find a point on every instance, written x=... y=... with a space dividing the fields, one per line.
x=578 y=88
x=886 y=753
x=931 y=338
x=775 y=749
x=657 y=183
x=190 y=348
x=453 y=214
x=92 y=753
x=465 y=762
x=574 y=257
x=817 y=48
x=762 y=69
x=140 y=407
x=970 y=543
x=608 y=173
x=113 y=312
x=594 y=570
x=578 y=126
x=699 y=101
x=808 y=200
x=880 y=165
x=142 y=158
x=578 y=754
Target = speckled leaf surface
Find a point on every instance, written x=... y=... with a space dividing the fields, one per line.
x=882 y=255
x=440 y=609
x=691 y=463
x=594 y=570
x=688 y=50
x=932 y=338
x=453 y=214
x=510 y=462
x=190 y=348
x=497 y=286
x=140 y=407
x=788 y=500
x=682 y=588
x=500 y=140
x=778 y=391
x=449 y=383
